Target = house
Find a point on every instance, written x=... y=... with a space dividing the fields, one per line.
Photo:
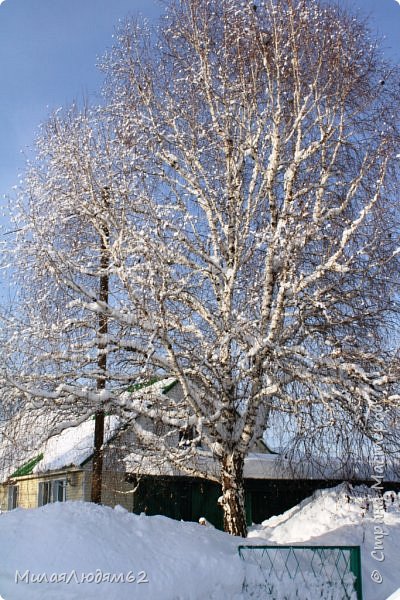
x=36 y=470
x=59 y=469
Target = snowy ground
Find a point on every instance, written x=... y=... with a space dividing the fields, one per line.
x=334 y=517
x=164 y=559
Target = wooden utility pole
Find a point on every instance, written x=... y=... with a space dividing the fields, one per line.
x=97 y=471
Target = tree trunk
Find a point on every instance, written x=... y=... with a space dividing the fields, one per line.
x=233 y=494
x=97 y=470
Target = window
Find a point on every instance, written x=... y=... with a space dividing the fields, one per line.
x=44 y=492
x=52 y=491
x=59 y=490
x=13 y=494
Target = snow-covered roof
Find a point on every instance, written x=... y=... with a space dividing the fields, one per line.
x=25 y=447
x=21 y=439
x=74 y=445
x=256 y=466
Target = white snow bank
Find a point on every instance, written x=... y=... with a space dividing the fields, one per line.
x=181 y=561
x=337 y=517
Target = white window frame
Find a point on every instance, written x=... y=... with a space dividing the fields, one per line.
x=13 y=497
x=52 y=490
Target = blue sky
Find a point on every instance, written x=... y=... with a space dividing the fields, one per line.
x=48 y=53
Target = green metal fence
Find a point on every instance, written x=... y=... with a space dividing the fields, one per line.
x=297 y=572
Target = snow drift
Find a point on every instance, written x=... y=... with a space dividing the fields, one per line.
x=77 y=550
x=348 y=517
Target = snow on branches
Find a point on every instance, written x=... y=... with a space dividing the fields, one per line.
x=249 y=158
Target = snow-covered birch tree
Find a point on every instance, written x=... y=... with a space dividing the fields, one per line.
x=267 y=137
x=250 y=163
x=59 y=350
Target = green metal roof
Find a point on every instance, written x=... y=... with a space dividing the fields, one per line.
x=169 y=387
x=139 y=386
x=27 y=468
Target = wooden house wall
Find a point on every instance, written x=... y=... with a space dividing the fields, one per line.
x=28 y=486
